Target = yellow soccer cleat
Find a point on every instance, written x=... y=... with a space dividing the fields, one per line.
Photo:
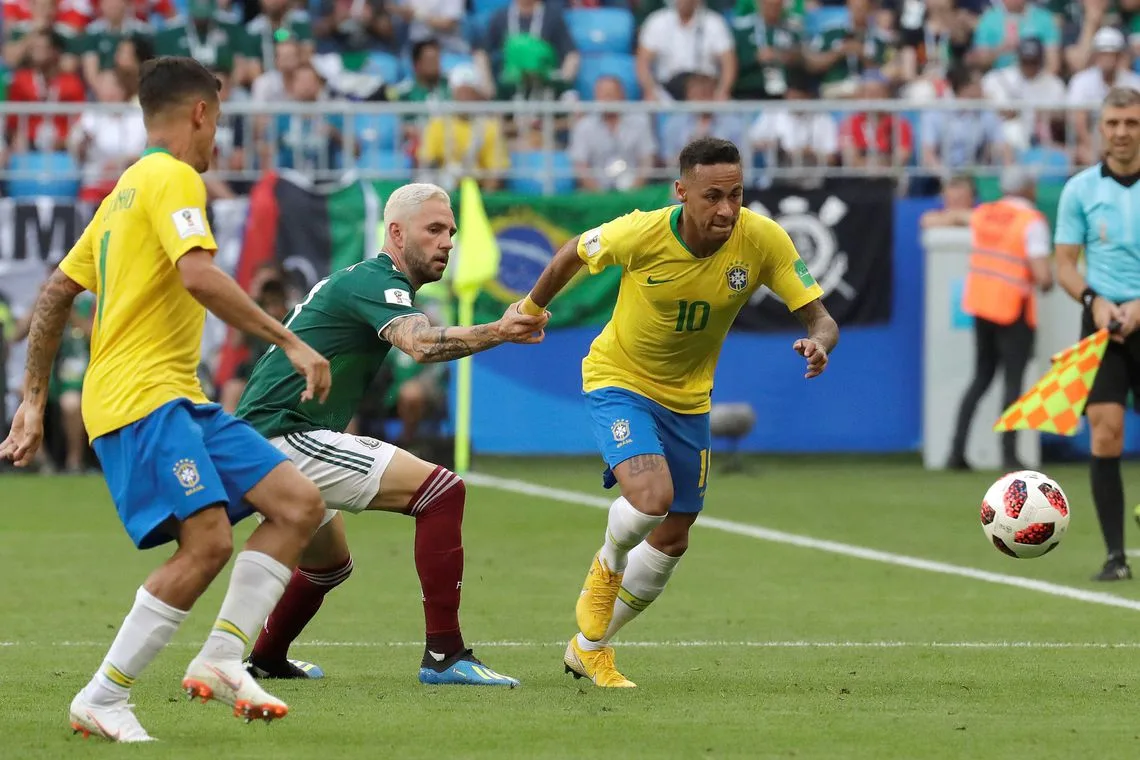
x=597 y=665
x=596 y=602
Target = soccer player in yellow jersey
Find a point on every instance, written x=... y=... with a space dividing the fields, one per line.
x=178 y=468
x=647 y=379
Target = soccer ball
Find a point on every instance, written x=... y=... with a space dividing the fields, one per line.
x=1025 y=514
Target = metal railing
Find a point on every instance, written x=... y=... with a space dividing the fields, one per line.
x=338 y=140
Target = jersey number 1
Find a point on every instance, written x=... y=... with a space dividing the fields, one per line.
x=692 y=317
x=104 y=242
x=298 y=307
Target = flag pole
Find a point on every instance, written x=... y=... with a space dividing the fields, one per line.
x=463 y=393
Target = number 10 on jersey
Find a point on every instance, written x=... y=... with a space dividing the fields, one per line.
x=692 y=316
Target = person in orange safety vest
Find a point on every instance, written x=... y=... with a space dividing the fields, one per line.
x=1009 y=262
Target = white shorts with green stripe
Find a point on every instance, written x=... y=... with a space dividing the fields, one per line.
x=346 y=468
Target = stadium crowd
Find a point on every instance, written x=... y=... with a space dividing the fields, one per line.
x=1067 y=52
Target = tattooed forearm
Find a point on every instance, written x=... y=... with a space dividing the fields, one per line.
x=820 y=327
x=53 y=307
x=418 y=339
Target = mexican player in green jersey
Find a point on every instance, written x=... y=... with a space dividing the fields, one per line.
x=354 y=317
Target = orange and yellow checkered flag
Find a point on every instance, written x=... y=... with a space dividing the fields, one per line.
x=1055 y=403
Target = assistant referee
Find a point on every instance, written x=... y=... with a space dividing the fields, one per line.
x=1099 y=211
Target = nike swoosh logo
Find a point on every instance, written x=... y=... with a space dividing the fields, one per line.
x=651 y=281
x=231 y=683
x=436 y=656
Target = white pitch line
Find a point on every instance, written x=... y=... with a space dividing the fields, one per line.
x=665 y=644
x=833 y=547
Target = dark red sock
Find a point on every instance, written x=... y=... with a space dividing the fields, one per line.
x=298 y=605
x=438 y=509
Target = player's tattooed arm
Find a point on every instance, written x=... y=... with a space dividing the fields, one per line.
x=416 y=337
x=49 y=317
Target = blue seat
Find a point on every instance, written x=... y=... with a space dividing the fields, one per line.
x=388 y=162
x=384 y=65
x=481 y=6
x=601 y=30
x=617 y=65
x=43 y=174
x=475 y=26
x=1048 y=163
x=530 y=169
x=824 y=18
x=376 y=131
x=448 y=61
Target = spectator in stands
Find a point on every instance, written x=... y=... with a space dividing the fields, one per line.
x=205 y=36
x=683 y=127
x=23 y=17
x=129 y=57
x=414 y=392
x=354 y=25
x=940 y=40
x=270 y=296
x=106 y=143
x=684 y=39
x=957 y=205
x=612 y=150
x=767 y=43
x=1028 y=81
x=1089 y=87
x=841 y=54
x=272 y=86
x=277 y=21
x=306 y=142
x=425 y=85
x=876 y=139
x=43 y=81
x=790 y=137
x=518 y=29
x=229 y=154
x=952 y=140
x=439 y=20
x=1004 y=25
x=1080 y=20
x=102 y=37
x=464 y=145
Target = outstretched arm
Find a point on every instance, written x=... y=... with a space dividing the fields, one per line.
x=416 y=337
x=558 y=272
x=823 y=336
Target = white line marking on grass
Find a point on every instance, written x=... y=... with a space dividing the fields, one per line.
x=833 y=547
x=321 y=644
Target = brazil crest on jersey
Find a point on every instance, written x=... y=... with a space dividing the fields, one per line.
x=341 y=318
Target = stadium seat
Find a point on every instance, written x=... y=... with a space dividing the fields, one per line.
x=824 y=18
x=51 y=174
x=376 y=131
x=388 y=162
x=475 y=26
x=608 y=64
x=384 y=65
x=1047 y=163
x=482 y=6
x=449 y=61
x=530 y=169
x=601 y=30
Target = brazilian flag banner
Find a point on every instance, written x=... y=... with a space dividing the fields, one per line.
x=530 y=229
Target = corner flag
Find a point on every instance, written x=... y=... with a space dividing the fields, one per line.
x=478 y=264
x=1055 y=403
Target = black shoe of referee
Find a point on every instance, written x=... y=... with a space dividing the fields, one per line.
x=1115 y=569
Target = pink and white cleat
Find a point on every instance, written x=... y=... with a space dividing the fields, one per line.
x=228 y=682
x=115 y=722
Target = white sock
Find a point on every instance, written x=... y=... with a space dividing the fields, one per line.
x=147 y=628
x=627 y=528
x=644 y=580
x=256 y=585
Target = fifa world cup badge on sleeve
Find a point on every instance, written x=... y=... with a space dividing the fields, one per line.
x=620 y=430
x=592 y=241
x=187 y=473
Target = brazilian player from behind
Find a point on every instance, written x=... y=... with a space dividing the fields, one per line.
x=177 y=467
x=355 y=316
x=688 y=270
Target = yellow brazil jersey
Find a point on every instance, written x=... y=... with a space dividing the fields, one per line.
x=673 y=309
x=146 y=343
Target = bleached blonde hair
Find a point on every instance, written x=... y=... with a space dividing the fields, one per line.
x=406 y=200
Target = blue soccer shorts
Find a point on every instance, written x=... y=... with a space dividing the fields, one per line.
x=178 y=460
x=627 y=425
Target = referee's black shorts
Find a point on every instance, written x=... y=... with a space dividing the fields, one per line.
x=1119 y=371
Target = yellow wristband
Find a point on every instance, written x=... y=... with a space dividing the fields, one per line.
x=530 y=308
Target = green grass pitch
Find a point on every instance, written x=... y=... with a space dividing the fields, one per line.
x=778 y=650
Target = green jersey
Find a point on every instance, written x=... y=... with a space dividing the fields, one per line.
x=216 y=46
x=99 y=38
x=341 y=319
x=756 y=80
x=875 y=52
